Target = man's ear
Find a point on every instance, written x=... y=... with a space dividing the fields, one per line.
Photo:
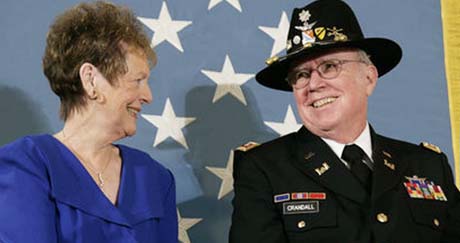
x=87 y=73
x=372 y=75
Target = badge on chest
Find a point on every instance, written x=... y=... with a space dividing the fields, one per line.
x=301 y=207
x=300 y=202
x=422 y=188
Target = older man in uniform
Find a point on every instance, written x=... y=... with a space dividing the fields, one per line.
x=336 y=179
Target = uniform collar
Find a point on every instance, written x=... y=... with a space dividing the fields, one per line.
x=316 y=159
x=364 y=141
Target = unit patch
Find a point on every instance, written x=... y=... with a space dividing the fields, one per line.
x=424 y=189
x=300 y=207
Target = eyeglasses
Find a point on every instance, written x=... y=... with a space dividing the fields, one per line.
x=328 y=69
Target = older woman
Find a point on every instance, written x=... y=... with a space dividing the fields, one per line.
x=77 y=185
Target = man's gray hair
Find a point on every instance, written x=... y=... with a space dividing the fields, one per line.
x=364 y=57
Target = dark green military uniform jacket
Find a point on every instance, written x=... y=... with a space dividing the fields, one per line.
x=295 y=189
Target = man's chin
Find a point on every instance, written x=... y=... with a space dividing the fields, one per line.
x=320 y=130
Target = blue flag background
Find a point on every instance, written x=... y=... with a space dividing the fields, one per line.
x=206 y=101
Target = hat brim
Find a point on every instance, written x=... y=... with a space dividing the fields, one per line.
x=385 y=54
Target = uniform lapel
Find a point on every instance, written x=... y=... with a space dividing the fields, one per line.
x=388 y=169
x=314 y=157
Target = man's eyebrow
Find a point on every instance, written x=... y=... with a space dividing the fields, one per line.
x=294 y=67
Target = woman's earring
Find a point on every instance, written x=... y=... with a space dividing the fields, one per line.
x=93 y=95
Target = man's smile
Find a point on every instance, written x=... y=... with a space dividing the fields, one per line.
x=324 y=101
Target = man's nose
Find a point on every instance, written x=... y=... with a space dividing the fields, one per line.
x=316 y=80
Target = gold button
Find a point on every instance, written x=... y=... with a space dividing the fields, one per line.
x=382 y=218
x=436 y=222
x=301 y=224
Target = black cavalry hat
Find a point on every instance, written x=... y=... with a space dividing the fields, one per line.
x=321 y=26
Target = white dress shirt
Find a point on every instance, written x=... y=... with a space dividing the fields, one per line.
x=363 y=141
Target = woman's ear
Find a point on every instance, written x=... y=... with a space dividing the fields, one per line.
x=87 y=74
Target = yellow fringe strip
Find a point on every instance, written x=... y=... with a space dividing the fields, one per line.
x=450 y=12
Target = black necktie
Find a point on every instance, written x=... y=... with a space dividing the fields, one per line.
x=354 y=155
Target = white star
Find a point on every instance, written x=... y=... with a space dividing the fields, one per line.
x=165 y=28
x=184 y=225
x=234 y=3
x=289 y=125
x=279 y=34
x=169 y=125
x=226 y=174
x=228 y=81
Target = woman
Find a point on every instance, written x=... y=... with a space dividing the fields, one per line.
x=77 y=185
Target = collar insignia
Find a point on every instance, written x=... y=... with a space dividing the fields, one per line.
x=389 y=164
x=321 y=170
x=387 y=154
x=309 y=155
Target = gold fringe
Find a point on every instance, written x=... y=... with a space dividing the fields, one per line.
x=450 y=12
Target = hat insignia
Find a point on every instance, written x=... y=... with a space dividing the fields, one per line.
x=321 y=26
x=308 y=36
x=337 y=35
x=320 y=32
x=304 y=16
x=288 y=44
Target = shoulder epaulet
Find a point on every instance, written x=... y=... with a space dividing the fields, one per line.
x=248 y=146
x=431 y=147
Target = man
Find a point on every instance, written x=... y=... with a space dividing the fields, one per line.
x=336 y=180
